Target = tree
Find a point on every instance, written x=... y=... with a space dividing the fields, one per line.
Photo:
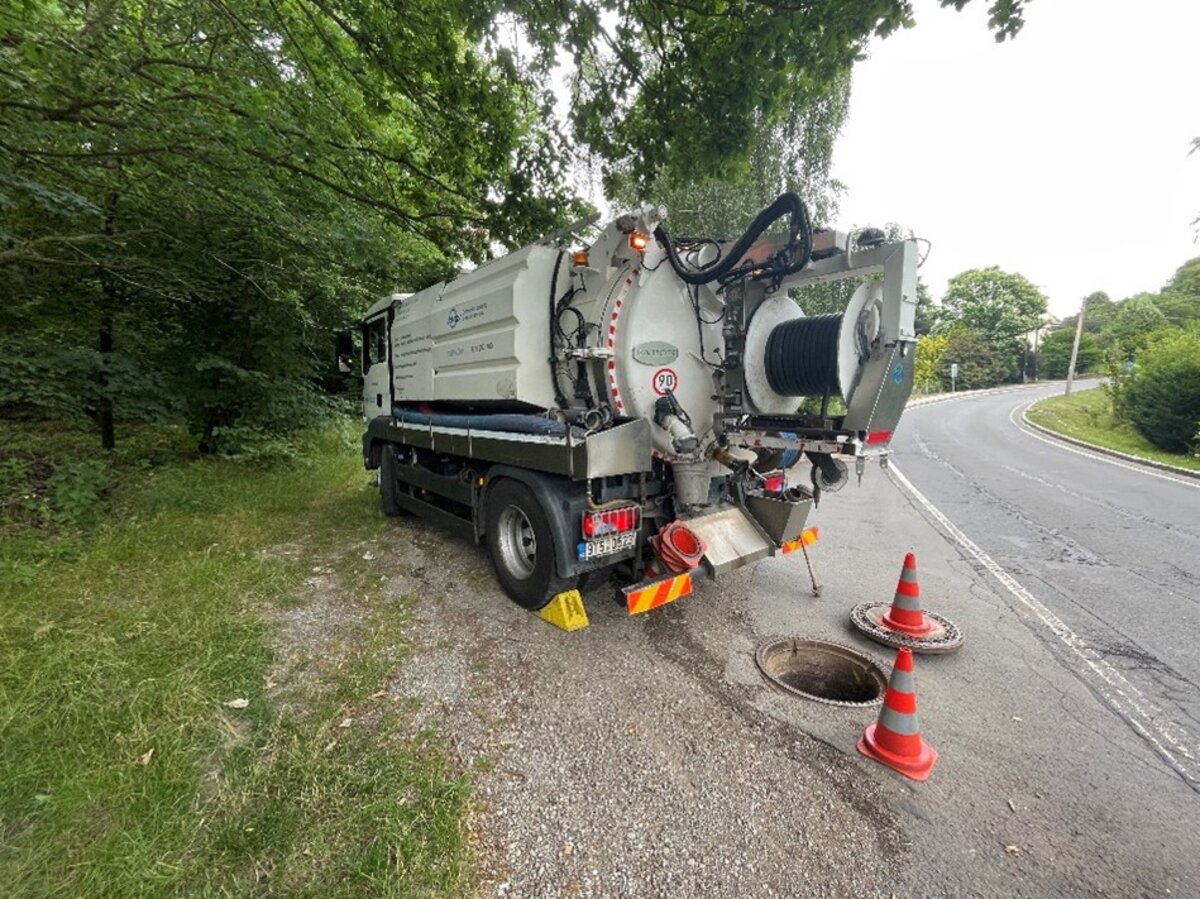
x=1099 y=309
x=931 y=363
x=673 y=86
x=1056 y=353
x=928 y=311
x=980 y=363
x=795 y=155
x=1179 y=300
x=196 y=194
x=1130 y=328
x=1000 y=306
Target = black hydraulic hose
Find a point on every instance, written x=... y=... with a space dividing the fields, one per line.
x=558 y=394
x=786 y=203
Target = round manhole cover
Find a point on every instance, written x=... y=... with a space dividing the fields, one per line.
x=822 y=670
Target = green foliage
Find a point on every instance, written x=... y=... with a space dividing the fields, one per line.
x=1179 y=300
x=1131 y=325
x=1001 y=305
x=980 y=363
x=931 y=364
x=1099 y=309
x=1163 y=396
x=677 y=87
x=77 y=488
x=1118 y=372
x=1124 y=328
x=1002 y=308
x=793 y=155
x=35 y=492
x=1056 y=353
x=221 y=186
x=928 y=312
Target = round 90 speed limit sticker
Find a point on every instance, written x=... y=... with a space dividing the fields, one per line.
x=665 y=380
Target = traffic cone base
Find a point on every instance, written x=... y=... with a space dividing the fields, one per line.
x=943 y=637
x=924 y=629
x=917 y=767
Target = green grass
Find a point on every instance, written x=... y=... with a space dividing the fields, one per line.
x=123 y=772
x=1087 y=415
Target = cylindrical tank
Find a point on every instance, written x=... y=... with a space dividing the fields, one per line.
x=616 y=332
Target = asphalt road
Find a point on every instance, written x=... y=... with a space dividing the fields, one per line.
x=1111 y=549
x=647 y=756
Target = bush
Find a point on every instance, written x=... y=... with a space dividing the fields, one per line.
x=1162 y=398
x=930 y=362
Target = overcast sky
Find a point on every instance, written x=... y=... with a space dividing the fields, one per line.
x=1061 y=154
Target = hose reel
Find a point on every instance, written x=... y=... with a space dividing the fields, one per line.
x=802 y=356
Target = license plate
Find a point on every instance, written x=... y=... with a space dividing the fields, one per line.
x=606 y=546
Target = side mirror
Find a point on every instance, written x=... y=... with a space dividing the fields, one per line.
x=344 y=351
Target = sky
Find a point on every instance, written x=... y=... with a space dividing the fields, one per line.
x=1061 y=154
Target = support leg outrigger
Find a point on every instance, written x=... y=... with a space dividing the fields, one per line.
x=812 y=575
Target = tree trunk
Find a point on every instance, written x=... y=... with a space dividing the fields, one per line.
x=108 y=290
x=104 y=410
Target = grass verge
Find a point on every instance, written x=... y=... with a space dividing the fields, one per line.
x=1087 y=415
x=129 y=763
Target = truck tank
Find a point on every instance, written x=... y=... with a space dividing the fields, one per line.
x=612 y=331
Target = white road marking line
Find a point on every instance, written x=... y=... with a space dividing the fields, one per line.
x=1141 y=469
x=1178 y=747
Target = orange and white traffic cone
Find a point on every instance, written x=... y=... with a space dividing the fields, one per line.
x=906 y=614
x=895 y=739
x=904 y=622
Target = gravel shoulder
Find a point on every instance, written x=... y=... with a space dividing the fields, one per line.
x=619 y=760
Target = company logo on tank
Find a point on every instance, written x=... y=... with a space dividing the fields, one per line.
x=457 y=316
x=655 y=352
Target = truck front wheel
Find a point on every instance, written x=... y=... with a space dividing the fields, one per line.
x=521 y=544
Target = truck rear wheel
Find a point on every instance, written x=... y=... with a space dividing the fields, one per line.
x=521 y=544
x=389 y=484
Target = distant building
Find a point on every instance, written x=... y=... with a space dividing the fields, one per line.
x=1049 y=323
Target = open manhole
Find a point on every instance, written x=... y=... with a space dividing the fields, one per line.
x=822 y=670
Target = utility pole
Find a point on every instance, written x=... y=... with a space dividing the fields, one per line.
x=1075 y=346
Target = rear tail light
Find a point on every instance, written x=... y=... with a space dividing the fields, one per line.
x=611 y=521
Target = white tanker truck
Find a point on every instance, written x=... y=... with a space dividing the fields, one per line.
x=631 y=402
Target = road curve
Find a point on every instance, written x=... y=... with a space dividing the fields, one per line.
x=1105 y=553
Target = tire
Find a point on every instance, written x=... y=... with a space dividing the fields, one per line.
x=389 y=484
x=520 y=541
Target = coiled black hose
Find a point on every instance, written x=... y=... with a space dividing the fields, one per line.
x=785 y=204
x=801 y=357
